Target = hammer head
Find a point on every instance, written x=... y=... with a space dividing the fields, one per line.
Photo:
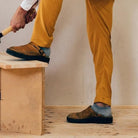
x=1 y=35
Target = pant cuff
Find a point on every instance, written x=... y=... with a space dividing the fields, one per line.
x=103 y=100
x=45 y=45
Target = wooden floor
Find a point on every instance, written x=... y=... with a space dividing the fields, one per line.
x=125 y=125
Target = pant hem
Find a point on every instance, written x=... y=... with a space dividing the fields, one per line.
x=103 y=100
x=40 y=44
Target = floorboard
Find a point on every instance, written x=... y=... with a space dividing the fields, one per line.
x=125 y=125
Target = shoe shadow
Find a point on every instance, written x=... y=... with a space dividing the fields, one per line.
x=20 y=60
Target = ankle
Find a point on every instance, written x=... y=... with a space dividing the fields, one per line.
x=102 y=110
x=46 y=51
x=100 y=104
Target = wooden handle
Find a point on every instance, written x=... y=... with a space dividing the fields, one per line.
x=7 y=30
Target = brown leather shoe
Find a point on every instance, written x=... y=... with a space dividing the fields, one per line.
x=88 y=116
x=28 y=52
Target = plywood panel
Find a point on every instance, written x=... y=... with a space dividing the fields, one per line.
x=22 y=104
x=9 y=62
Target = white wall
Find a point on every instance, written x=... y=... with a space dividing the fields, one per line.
x=70 y=77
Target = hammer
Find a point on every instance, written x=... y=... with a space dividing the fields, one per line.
x=6 y=31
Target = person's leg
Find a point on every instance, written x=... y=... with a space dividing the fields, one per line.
x=99 y=24
x=45 y=22
x=39 y=48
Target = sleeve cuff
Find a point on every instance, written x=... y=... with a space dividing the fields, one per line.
x=27 y=4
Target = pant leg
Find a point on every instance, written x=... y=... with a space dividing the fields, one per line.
x=99 y=24
x=48 y=12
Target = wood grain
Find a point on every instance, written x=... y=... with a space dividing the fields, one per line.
x=9 y=62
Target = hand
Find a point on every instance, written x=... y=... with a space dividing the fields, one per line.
x=18 y=19
x=31 y=14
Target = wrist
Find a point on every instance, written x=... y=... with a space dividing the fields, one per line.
x=22 y=11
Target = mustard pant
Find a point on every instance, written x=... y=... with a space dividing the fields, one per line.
x=99 y=23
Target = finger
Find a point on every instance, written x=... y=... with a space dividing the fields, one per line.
x=14 y=29
x=23 y=26
x=18 y=26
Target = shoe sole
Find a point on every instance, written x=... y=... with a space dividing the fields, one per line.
x=26 y=57
x=97 y=120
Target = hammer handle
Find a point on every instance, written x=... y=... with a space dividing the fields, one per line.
x=7 y=30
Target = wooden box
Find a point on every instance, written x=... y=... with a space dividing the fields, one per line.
x=22 y=95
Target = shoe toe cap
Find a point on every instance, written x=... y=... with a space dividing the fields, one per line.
x=72 y=116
